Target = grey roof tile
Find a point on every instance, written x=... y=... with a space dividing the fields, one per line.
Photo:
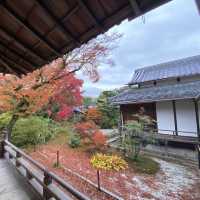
x=158 y=93
x=179 y=68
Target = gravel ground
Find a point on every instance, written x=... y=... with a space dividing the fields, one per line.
x=172 y=182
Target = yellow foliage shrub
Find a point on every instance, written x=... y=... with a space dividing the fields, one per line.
x=108 y=162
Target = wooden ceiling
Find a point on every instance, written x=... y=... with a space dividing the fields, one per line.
x=34 y=32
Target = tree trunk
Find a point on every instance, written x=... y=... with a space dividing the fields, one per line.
x=11 y=125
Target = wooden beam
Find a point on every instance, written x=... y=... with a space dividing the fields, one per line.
x=16 y=54
x=135 y=7
x=107 y=23
x=70 y=13
x=198 y=5
x=13 y=38
x=28 y=26
x=26 y=69
x=6 y=59
x=9 y=69
x=175 y=116
x=62 y=28
x=90 y=14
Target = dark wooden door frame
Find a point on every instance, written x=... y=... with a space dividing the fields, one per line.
x=175 y=116
x=198 y=127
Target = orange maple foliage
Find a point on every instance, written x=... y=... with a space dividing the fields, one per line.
x=94 y=114
x=99 y=139
x=86 y=129
x=90 y=134
x=36 y=88
x=28 y=94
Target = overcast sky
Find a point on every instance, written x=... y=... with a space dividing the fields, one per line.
x=170 y=32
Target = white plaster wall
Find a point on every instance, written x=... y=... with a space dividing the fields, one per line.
x=186 y=118
x=165 y=117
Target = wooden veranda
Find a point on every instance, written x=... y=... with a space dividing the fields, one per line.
x=33 y=33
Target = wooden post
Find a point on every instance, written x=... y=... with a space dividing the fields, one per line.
x=98 y=180
x=47 y=181
x=18 y=155
x=198 y=128
x=28 y=175
x=166 y=147
x=5 y=134
x=197 y=118
x=121 y=126
x=58 y=159
x=1 y=148
x=175 y=116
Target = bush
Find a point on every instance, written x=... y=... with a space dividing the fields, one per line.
x=94 y=115
x=33 y=130
x=110 y=113
x=144 y=165
x=99 y=139
x=4 y=119
x=74 y=141
x=108 y=162
x=91 y=136
x=86 y=129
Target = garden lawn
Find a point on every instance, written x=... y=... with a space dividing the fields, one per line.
x=173 y=181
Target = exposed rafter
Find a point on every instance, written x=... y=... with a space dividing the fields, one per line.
x=135 y=7
x=9 y=60
x=13 y=38
x=16 y=54
x=8 y=68
x=70 y=13
x=91 y=15
x=28 y=26
x=56 y=21
x=16 y=61
x=49 y=35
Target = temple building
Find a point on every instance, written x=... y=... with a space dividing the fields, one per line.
x=169 y=93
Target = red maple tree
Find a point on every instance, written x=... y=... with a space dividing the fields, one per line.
x=31 y=92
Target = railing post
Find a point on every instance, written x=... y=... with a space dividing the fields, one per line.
x=3 y=137
x=28 y=175
x=18 y=155
x=1 y=148
x=47 y=181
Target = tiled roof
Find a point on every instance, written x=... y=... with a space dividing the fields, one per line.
x=179 y=68
x=158 y=93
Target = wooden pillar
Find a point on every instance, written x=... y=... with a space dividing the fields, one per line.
x=197 y=118
x=198 y=128
x=175 y=116
x=2 y=138
x=121 y=124
x=47 y=181
x=1 y=148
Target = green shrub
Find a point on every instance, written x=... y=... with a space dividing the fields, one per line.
x=74 y=141
x=33 y=130
x=144 y=165
x=4 y=119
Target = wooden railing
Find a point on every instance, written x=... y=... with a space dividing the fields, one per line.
x=47 y=184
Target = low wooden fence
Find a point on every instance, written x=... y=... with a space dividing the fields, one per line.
x=46 y=183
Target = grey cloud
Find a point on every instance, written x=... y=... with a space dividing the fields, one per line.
x=166 y=35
